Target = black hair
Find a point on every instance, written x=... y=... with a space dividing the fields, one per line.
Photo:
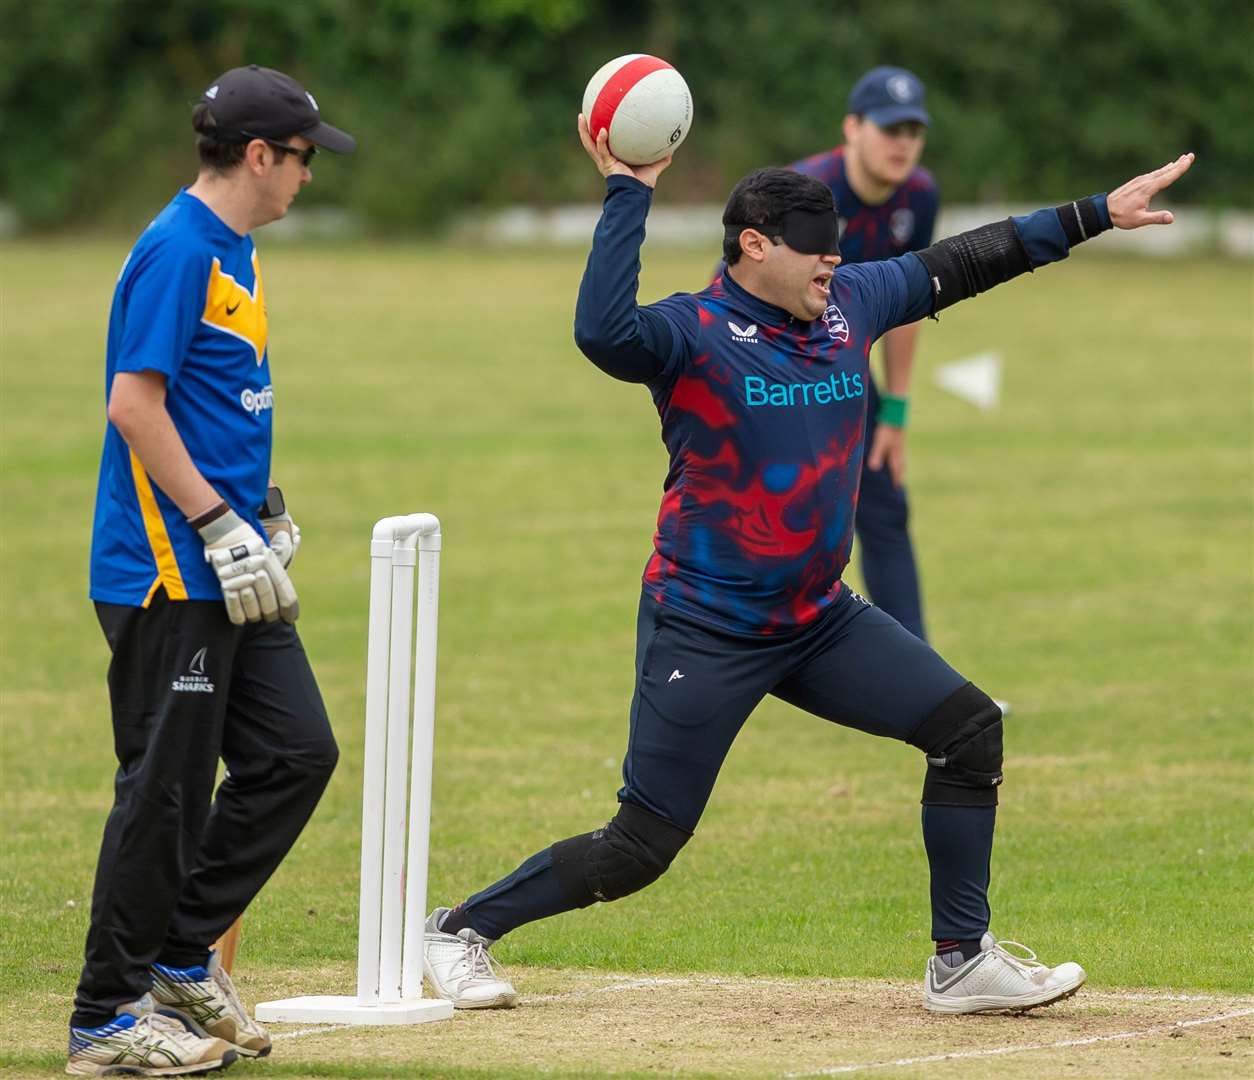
x=216 y=154
x=765 y=195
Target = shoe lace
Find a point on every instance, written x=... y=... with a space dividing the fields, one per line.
x=478 y=963
x=223 y=979
x=1025 y=963
x=153 y=1024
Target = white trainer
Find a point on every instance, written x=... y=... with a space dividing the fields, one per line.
x=460 y=970
x=998 y=980
x=204 y=999
x=142 y=1042
x=1004 y=706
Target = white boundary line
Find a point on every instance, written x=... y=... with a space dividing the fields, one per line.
x=1157 y=1029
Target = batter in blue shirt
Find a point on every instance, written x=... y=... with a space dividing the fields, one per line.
x=889 y=205
x=760 y=382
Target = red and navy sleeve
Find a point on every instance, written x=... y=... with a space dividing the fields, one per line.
x=647 y=344
x=903 y=290
x=892 y=291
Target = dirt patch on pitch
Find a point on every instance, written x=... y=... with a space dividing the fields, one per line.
x=584 y=1023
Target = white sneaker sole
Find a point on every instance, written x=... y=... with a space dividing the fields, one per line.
x=506 y=1000
x=87 y=1068
x=944 y=1003
x=198 y=1029
x=501 y=1001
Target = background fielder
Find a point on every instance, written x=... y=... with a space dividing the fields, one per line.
x=889 y=205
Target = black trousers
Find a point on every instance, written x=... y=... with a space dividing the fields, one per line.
x=179 y=862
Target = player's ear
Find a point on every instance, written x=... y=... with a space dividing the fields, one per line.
x=850 y=126
x=754 y=244
x=256 y=156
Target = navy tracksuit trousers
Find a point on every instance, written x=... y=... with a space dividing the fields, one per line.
x=696 y=686
x=179 y=861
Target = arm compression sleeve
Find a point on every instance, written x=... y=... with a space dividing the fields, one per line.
x=972 y=262
x=624 y=340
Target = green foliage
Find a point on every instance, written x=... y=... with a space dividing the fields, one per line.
x=472 y=103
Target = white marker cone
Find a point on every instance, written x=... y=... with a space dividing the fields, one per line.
x=976 y=379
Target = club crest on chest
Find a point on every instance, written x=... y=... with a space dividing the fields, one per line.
x=837 y=325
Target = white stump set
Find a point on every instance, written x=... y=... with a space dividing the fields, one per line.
x=393 y=857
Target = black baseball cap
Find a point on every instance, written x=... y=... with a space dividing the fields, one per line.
x=260 y=103
x=889 y=95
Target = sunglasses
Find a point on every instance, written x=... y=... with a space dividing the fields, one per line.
x=306 y=154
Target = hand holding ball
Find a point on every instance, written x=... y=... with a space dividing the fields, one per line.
x=643 y=103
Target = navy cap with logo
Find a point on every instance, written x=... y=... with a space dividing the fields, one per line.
x=889 y=95
x=261 y=103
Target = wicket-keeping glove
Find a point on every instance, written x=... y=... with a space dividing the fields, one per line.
x=284 y=536
x=254 y=584
x=282 y=531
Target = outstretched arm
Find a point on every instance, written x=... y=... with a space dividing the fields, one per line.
x=969 y=263
x=623 y=339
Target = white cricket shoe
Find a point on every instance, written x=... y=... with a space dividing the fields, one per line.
x=460 y=970
x=204 y=999
x=998 y=980
x=142 y=1042
x=1004 y=706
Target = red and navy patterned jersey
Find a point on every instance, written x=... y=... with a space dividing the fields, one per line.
x=762 y=416
x=904 y=222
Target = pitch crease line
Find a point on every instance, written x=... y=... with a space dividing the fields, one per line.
x=321 y=1029
x=1061 y=1044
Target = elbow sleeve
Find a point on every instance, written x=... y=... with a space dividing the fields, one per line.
x=973 y=262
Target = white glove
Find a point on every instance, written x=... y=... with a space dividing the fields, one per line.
x=284 y=536
x=254 y=584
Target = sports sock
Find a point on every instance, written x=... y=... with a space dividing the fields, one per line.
x=191 y=971
x=182 y=961
x=122 y=1022
x=453 y=920
x=956 y=953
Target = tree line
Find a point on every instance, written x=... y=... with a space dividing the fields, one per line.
x=464 y=103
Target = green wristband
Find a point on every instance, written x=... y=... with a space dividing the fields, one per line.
x=893 y=410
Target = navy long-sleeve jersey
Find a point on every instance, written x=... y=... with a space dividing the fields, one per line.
x=762 y=415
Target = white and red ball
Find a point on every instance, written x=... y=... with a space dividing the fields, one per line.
x=645 y=104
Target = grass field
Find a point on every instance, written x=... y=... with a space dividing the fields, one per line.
x=1086 y=552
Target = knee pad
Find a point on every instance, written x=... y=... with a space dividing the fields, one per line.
x=963 y=743
x=622 y=857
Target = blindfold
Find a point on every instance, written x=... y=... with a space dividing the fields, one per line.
x=811 y=232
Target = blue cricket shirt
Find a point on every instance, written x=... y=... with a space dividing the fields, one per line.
x=189 y=304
